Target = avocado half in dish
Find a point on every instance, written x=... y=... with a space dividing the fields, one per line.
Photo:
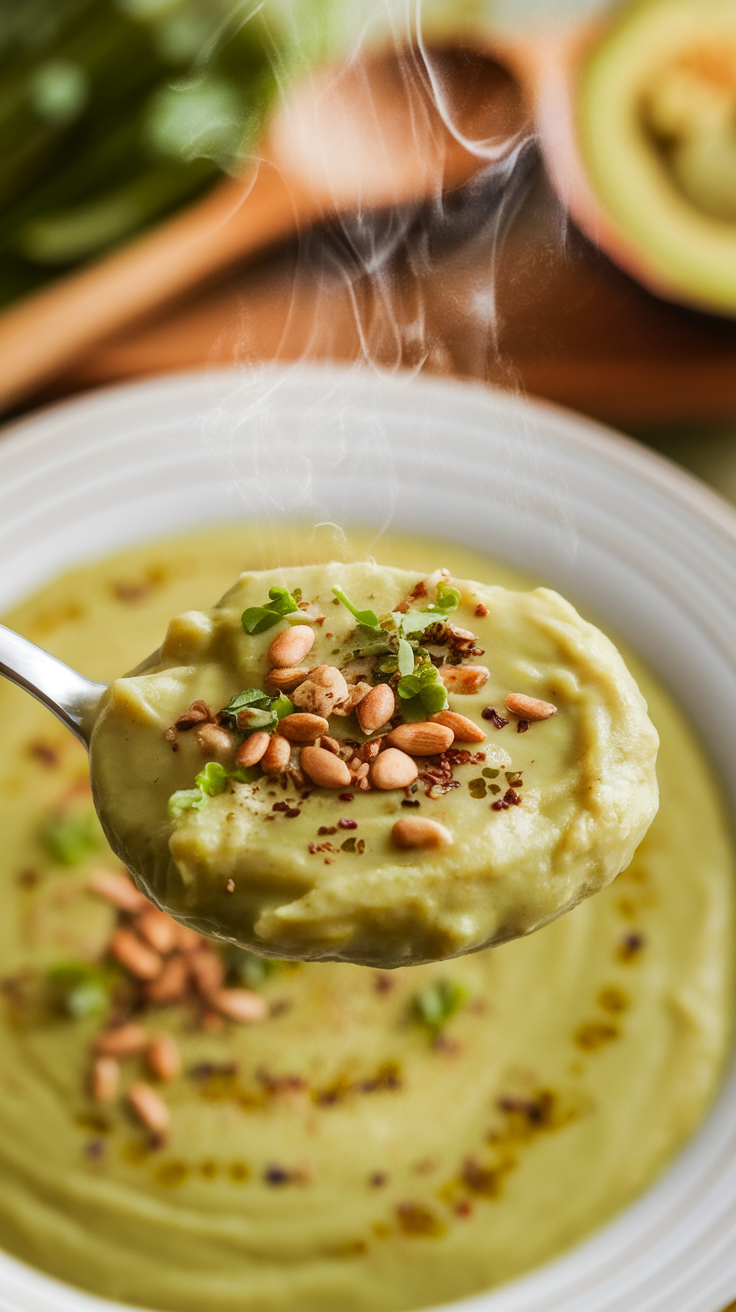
x=655 y=120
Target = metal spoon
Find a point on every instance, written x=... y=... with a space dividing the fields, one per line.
x=71 y=697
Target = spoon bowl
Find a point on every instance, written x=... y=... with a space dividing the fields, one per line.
x=73 y=699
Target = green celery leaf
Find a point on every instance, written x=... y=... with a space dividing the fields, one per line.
x=366 y=617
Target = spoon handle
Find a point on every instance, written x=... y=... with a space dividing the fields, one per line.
x=68 y=694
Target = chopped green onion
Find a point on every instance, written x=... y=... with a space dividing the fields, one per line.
x=438 y=1003
x=365 y=617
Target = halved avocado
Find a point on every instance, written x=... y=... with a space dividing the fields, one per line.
x=656 y=123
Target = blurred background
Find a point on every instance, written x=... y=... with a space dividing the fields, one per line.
x=538 y=194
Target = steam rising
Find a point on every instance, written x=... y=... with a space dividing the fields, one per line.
x=461 y=127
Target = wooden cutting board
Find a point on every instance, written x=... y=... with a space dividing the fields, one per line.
x=493 y=285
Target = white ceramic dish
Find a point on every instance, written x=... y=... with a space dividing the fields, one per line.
x=643 y=546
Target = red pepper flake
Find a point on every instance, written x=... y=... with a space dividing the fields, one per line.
x=348 y=824
x=490 y=713
x=289 y=811
x=511 y=797
x=522 y=726
x=481 y=610
x=326 y=829
x=329 y=861
x=312 y=848
x=345 y=797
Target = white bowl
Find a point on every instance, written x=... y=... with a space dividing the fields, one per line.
x=640 y=544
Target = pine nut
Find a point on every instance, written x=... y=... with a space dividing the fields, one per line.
x=322 y=691
x=158 y=929
x=140 y=960
x=376 y=708
x=207 y=971
x=164 y=1057
x=105 y=1079
x=150 y=1108
x=324 y=768
x=393 y=769
x=529 y=708
x=277 y=755
x=123 y=1041
x=286 y=680
x=253 y=749
x=423 y=739
x=303 y=727
x=171 y=984
x=416 y=831
x=465 y=730
x=291 y=646
x=241 y=1005
x=216 y=743
x=464 y=678
x=119 y=890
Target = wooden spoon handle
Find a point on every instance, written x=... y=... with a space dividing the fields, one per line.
x=47 y=330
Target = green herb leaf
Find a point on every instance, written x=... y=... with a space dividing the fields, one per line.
x=406 y=657
x=253 y=709
x=257 y=619
x=247 y=968
x=426 y=686
x=448 y=599
x=282 y=706
x=434 y=698
x=248 y=697
x=186 y=799
x=366 y=617
x=80 y=990
x=252 y=718
x=244 y=774
x=70 y=838
x=438 y=1003
x=212 y=779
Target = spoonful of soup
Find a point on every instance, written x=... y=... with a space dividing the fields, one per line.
x=347 y=762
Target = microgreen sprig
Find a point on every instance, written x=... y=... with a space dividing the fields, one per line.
x=257 y=619
x=367 y=618
x=253 y=709
x=422 y=692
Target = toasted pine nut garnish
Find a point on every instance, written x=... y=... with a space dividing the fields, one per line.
x=422 y=739
x=171 y=984
x=529 y=708
x=303 y=727
x=207 y=971
x=105 y=1079
x=275 y=759
x=123 y=1041
x=139 y=959
x=376 y=708
x=329 y=745
x=188 y=940
x=253 y=749
x=465 y=730
x=290 y=647
x=416 y=831
x=164 y=1057
x=286 y=680
x=214 y=741
x=241 y=1005
x=119 y=890
x=158 y=929
x=357 y=692
x=150 y=1108
x=464 y=678
x=324 y=768
x=393 y=769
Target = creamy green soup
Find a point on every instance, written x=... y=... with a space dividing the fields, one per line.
x=313 y=854
x=369 y=1140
